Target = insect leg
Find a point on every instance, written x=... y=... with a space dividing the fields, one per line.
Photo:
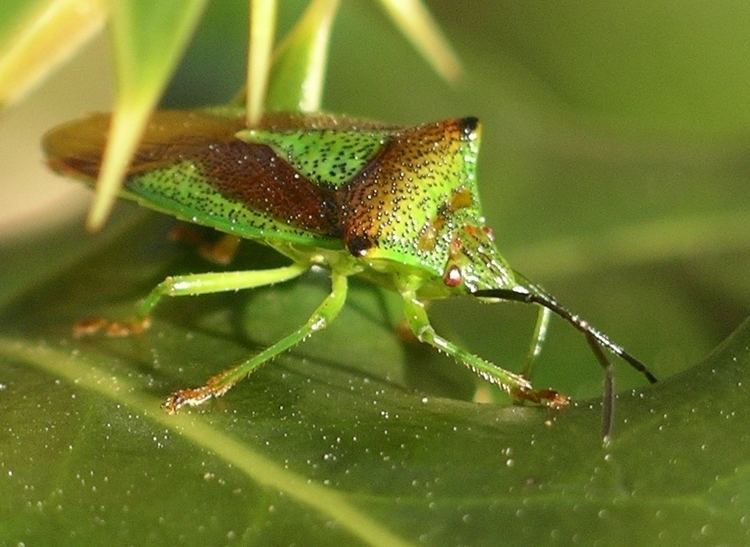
x=518 y=386
x=193 y=284
x=608 y=400
x=537 y=339
x=533 y=294
x=221 y=383
x=221 y=251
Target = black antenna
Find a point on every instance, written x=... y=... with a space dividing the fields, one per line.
x=533 y=294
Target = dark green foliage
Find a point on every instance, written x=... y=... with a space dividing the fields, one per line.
x=95 y=460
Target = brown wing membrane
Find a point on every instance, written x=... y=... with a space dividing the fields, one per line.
x=249 y=174
x=77 y=147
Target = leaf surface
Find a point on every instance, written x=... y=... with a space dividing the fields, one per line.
x=334 y=440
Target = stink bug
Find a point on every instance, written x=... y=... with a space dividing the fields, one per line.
x=397 y=206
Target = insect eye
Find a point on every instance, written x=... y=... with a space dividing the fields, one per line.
x=359 y=245
x=452 y=276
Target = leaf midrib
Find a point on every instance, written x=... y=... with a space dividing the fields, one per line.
x=254 y=465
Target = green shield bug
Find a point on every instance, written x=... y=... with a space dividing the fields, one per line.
x=397 y=206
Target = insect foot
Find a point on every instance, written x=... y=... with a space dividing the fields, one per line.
x=547 y=397
x=112 y=329
x=215 y=387
x=190 y=396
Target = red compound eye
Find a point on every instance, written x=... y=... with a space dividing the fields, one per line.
x=452 y=276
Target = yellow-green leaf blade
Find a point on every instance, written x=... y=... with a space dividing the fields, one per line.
x=296 y=82
x=415 y=21
x=35 y=37
x=148 y=39
x=262 y=27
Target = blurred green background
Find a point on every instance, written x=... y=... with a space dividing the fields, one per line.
x=614 y=171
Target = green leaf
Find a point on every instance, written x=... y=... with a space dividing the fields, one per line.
x=332 y=441
x=613 y=170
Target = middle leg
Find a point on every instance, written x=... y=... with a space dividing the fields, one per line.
x=221 y=383
x=187 y=285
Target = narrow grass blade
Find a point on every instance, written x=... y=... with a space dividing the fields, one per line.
x=262 y=30
x=148 y=39
x=35 y=37
x=296 y=82
x=415 y=21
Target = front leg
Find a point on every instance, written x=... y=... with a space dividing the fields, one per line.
x=518 y=386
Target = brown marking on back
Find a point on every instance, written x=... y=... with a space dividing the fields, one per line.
x=394 y=182
x=257 y=177
x=249 y=173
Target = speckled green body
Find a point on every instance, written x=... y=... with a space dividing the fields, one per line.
x=398 y=205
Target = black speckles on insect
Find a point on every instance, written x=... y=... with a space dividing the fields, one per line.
x=404 y=188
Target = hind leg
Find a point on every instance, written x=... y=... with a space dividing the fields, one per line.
x=218 y=385
x=183 y=285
